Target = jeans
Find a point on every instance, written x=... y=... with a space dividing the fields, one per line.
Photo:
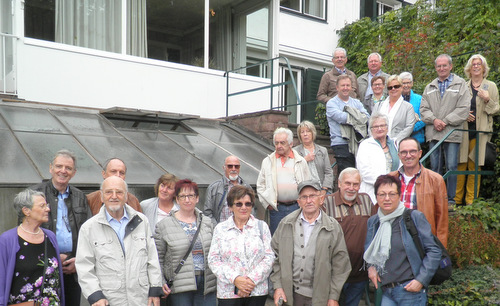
x=196 y=297
x=398 y=296
x=343 y=157
x=352 y=293
x=448 y=151
x=275 y=216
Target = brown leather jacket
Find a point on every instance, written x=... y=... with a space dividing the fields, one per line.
x=432 y=200
x=95 y=202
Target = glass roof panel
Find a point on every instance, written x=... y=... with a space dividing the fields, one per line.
x=140 y=168
x=15 y=165
x=31 y=119
x=172 y=157
x=82 y=123
x=42 y=147
x=3 y=125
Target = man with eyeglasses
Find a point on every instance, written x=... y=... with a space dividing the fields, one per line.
x=117 y=261
x=422 y=189
x=216 y=196
x=112 y=167
x=445 y=106
x=328 y=85
x=352 y=210
x=374 y=61
x=312 y=263
x=280 y=173
x=69 y=209
x=414 y=99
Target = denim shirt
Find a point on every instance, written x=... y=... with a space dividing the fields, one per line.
x=423 y=269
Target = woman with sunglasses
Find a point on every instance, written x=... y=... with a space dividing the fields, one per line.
x=401 y=115
x=241 y=256
x=185 y=236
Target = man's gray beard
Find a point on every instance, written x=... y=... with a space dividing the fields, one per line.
x=233 y=177
x=350 y=198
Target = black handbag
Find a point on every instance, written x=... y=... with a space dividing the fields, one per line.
x=490 y=155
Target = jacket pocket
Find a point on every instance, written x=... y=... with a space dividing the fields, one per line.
x=109 y=281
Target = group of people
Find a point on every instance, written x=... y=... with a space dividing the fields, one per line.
x=394 y=111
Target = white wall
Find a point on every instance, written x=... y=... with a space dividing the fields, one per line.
x=63 y=74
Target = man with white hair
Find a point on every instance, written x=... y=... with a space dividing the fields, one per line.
x=328 y=85
x=374 y=69
x=280 y=173
x=414 y=99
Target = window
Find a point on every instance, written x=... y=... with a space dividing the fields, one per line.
x=314 y=8
x=383 y=8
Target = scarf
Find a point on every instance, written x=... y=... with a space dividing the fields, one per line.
x=393 y=151
x=379 y=249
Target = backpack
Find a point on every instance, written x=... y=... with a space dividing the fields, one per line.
x=444 y=270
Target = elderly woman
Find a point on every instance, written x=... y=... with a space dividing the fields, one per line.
x=29 y=256
x=185 y=236
x=484 y=104
x=401 y=115
x=376 y=155
x=393 y=260
x=163 y=205
x=240 y=255
x=315 y=155
x=378 y=85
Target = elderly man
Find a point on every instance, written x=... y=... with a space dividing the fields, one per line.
x=117 y=262
x=279 y=175
x=352 y=209
x=422 y=189
x=414 y=99
x=311 y=262
x=345 y=115
x=68 y=211
x=112 y=167
x=216 y=196
x=445 y=106
x=374 y=69
x=328 y=85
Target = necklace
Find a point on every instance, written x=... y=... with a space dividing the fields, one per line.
x=32 y=233
x=475 y=86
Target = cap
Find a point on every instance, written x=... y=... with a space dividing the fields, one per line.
x=310 y=183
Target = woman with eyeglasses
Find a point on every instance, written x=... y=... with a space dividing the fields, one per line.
x=483 y=105
x=378 y=95
x=377 y=154
x=183 y=242
x=316 y=156
x=164 y=204
x=400 y=113
x=29 y=256
x=241 y=256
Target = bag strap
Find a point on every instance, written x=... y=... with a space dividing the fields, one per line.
x=183 y=261
x=412 y=229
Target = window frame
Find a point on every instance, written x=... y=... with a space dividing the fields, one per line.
x=301 y=12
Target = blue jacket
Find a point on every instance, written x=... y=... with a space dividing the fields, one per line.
x=423 y=270
x=418 y=129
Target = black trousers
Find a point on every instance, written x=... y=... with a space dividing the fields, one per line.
x=343 y=157
x=72 y=290
x=249 y=301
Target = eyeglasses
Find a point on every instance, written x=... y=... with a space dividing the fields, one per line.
x=283 y=143
x=376 y=127
x=233 y=166
x=378 y=84
x=186 y=196
x=477 y=65
x=391 y=195
x=393 y=87
x=119 y=193
x=44 y=205
x=405 y=153
x=304 y=198
x=339 y=57
x=247 y=204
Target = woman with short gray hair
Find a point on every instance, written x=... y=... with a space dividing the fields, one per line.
x=29 y=255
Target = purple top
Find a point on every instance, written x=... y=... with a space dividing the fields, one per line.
x=9 y=246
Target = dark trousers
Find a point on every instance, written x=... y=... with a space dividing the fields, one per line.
x=249 y=301
x=344 y=158
x=72 y=291
x=300 y=300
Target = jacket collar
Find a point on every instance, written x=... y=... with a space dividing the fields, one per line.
x=326 y=221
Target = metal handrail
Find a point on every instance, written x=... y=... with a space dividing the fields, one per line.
x=271 y=61
x=476 y=171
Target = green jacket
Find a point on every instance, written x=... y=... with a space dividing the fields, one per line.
x=332 y=265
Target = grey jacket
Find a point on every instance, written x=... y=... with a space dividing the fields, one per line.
x=172 y=244
x=332 y=260
x=150 y=210
x=453 y=109
x=216 y=198
x=105 y=271
x=403 y=121
x=321 y=162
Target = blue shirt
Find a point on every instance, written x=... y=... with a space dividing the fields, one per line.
x=118 y=226
x=336 y=116
x=444 y=84
x=63 y=228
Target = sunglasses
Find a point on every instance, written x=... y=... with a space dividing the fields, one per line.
x=393 y=87
x=233 y=166
x=247 y=204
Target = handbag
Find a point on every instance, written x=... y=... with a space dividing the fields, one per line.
x=444 y=269
x=490 y=155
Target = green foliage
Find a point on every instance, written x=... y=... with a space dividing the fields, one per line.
x=474 y=285
x=321 y=119
x=490 y=185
